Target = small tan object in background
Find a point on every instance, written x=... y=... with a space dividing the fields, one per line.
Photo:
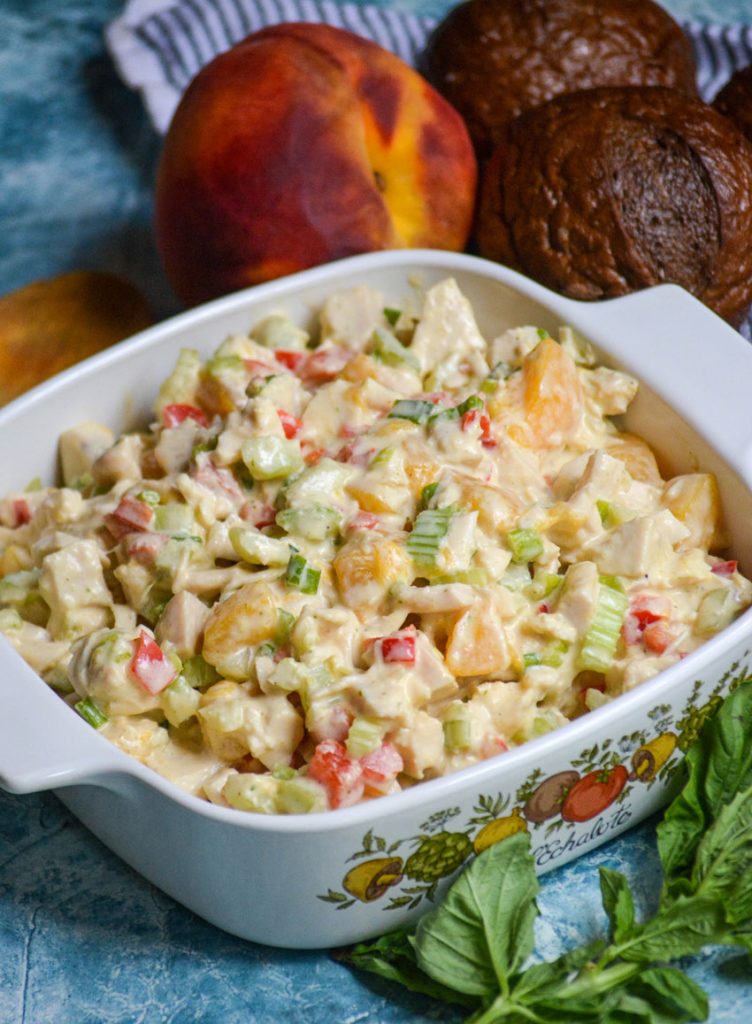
x=48 y=325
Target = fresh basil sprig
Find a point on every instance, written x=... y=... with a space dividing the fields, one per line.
x=473 y=948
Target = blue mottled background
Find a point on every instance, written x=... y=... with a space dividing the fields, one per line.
x=84 y=940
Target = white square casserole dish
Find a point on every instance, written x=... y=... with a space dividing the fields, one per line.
x=329 y=879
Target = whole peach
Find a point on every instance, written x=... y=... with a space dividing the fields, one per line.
x=301 y=145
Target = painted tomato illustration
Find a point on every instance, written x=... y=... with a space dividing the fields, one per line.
x=594 y=793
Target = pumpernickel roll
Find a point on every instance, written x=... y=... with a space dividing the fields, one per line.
x=735 y=100
x=606 y=191
x=493 y=59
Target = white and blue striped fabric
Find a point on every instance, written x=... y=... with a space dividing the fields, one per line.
x=159 y=45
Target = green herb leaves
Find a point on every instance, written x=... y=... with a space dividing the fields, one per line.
x=474 y=947
x=483 y=932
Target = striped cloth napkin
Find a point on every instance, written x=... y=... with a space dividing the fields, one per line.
x=159 y=45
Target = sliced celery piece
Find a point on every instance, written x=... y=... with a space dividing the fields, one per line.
x=270 y=458
x=429 y=528
x=365 y=736
x=602 y=635
x=525 y=545
x=314 y=522
x=258 y=549
x=199 y=673
x=392 y=352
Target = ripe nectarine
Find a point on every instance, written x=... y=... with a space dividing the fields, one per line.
x=303 y=144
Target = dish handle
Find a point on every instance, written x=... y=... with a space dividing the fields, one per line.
x=689 y=356
x=44 y=744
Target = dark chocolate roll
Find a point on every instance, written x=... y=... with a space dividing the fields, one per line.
x=493 y=59
x=735 y=100
x=606 y=191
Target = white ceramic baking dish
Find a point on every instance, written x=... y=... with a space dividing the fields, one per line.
x=330 y=879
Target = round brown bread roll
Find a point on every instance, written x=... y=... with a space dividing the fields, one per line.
x=735 y=100
x=492 y=59
x=606 y=191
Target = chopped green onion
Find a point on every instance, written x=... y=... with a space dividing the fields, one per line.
x=427 y=493
x=414 y=409
x=266 y=650
x=365 y=736
x=283 y=771
x=204 y=446
x=34 y=485
x=91 y=712
x=470 y=403
x=530 y=659
x=301 y=576
x=199 y=673
x=525 y=545
x=382 y=457
x=148 y=497
x=314 y=522
x=489 y=386
x=391 y=315
x=390 y=351
x=542 y=333
x=430 y=527
x=602 y=635
x=501 y=371
x=268 y=458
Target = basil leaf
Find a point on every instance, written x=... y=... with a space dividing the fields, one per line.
x=723 y=864
x=676 y=993
x=540 y=979
x=680 y=929
x=618 y=903
x=719 y=765
x=391 y=956
x=483 y=931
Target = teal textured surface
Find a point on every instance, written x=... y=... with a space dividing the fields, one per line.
x=83 y=939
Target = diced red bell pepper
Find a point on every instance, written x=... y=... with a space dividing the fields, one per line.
x=399 y=648
x=725 y=568
x=174 y=415
x=292 y=360
x=290 y=424
x=149 y=666
x=340 y=774
x=131 y=516
x=382 y=765
x=474 y=416
x=312 y=455
x=493 y=745
x=21 y=511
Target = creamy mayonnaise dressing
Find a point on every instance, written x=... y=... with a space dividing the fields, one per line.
x=335 y=566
